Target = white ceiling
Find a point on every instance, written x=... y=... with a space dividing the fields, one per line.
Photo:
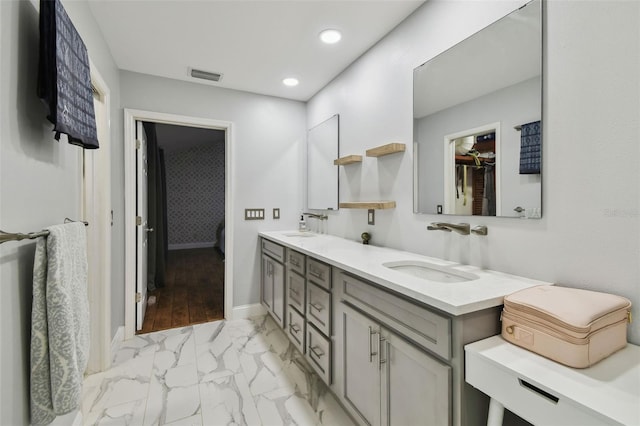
x=253 y=43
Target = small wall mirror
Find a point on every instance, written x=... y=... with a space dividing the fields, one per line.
x=322 y=175
x=477 y=122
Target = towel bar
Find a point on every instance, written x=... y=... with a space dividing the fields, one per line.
x=7 y=236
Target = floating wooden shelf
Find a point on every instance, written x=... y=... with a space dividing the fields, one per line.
x=349 y=159
x=378 y=205
x=391 y=148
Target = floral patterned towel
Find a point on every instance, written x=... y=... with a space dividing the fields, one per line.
x=59 y=322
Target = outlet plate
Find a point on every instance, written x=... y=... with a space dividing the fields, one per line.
x=253 y=214
x=276 y=213
x=371 y=217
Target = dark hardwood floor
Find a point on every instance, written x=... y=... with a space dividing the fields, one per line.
x=194 y=291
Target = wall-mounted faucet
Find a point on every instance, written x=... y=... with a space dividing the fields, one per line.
x=317 y=216
x=460 y=228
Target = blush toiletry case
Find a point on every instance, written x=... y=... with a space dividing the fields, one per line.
x=574 y=327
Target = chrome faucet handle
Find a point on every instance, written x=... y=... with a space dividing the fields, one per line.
x=480 y=230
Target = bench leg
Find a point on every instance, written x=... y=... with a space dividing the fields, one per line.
x=496 y=413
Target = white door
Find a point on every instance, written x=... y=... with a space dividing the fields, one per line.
x=141 y=222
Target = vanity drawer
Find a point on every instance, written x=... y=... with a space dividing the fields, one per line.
x=272 y=249
x=296 y=328
x=319 y=273
x=296 y=261
x=425 y=327
x=296 y=291
x=319 y=308
x=319 y=353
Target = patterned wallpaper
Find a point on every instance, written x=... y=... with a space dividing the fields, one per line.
x=195 y=193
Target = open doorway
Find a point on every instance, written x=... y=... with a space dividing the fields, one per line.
x=186 y=226
x=135 y=300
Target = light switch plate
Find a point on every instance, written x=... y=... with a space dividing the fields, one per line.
x=253 y=214
x=371 y=217
x=276 y=213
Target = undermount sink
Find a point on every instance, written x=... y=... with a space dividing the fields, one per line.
x=299 y=234
x=431 y=272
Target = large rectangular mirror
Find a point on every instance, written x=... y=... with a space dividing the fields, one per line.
x=477 y=111
x=323 y=143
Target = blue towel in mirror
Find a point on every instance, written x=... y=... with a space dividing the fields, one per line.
x=530 y=148
x=64 y=77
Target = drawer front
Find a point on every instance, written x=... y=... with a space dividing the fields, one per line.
x=272 y=249
x=296 y=291
x=296 y=261
x=319 y=273
x=319 y=353
x=527 y=398
x=296 y=329
x=428 y=329
x=319 y=308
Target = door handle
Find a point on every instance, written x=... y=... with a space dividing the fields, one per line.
x=150 y=229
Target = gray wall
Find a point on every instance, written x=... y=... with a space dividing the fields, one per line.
x=269 y=136
x=39 y=181
x=511 y=106
x=195 y=194
x=588 y=236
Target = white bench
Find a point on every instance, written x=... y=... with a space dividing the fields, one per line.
x=544 y=392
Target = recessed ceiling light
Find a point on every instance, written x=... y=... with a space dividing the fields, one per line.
x=330 y=36
x=290 y=81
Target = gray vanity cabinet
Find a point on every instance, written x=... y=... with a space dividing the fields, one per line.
x=387 y=380
x=401 y=362
x=272 y=280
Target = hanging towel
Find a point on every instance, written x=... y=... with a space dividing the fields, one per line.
x=489 y=192
x=64 y=77
x=59 y=322
x=530 y=148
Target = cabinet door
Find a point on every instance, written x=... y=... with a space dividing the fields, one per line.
x=267 y=282
x=416 y=388
x=361 y=366
x=278 y=292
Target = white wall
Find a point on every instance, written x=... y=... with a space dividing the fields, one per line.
x=589 y=235
x=39 y=180
x=269 y=135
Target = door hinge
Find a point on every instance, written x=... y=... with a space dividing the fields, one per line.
x=138 y=297
x=138 y=144
x=138 y=220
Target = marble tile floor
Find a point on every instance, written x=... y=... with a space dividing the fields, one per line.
x=240 y=372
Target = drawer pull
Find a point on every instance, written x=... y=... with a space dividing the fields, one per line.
x=294 y=262
x=294 y=291
x=316 y=351
x=317 y=274
x=318 y=307
x=539 y=391
x=295 y=328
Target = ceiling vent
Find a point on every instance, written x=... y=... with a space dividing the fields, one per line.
x=205 y=75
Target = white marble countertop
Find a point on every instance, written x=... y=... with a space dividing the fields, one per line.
x=366 y=261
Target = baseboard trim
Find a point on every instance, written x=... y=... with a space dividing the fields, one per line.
x=248 y=311
x=115 y=342
x=186 y=246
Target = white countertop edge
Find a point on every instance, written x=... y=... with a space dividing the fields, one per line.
x=365 y=261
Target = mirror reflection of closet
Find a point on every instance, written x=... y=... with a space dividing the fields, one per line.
x=471 y=186
x=322 y=174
